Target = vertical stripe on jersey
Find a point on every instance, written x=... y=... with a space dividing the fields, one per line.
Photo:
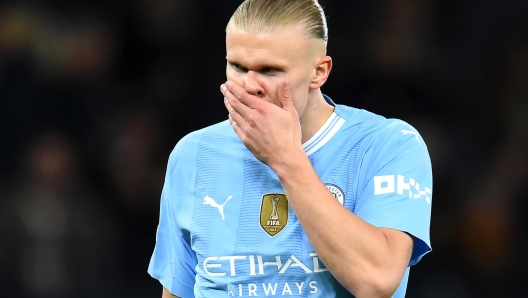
x=208 y=167
x=255 y=182
x=342 y=153
x=354 y=161
x=253 y=241
x=349 y=158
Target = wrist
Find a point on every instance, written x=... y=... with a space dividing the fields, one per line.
x=292 y=166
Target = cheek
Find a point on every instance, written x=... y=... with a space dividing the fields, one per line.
x=233 y=76
x=300 y=99
x=300 y=95
x=301 y=82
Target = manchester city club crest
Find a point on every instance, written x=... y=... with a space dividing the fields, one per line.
x=337 y=192
x=274 y=213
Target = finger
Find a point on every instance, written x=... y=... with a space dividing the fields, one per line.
x=242 y=95
x=285 y=96
x=235 y=116
x=236 y=104
x=240 y=133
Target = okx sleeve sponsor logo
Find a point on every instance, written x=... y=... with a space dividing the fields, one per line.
x=401 y=185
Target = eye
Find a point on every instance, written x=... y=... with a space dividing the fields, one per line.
x=269 y=70
x=238 y=67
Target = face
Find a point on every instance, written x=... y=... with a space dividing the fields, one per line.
x=260 y=61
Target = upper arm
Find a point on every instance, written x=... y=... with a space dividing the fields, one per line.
x=395 y=189
x=401 y=246
x=167 y=294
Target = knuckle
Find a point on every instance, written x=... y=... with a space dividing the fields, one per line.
x=263 y=109
x=233 y=105
x=245 y=141
x=252 y=119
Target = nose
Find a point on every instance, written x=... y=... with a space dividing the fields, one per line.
x=252 y=84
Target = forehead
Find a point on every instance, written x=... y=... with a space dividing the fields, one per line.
x=285 y=45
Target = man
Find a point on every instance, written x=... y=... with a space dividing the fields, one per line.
x=294 y=195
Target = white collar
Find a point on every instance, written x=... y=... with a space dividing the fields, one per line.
x=324 y=134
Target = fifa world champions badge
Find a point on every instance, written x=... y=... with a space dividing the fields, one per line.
x=274 y=213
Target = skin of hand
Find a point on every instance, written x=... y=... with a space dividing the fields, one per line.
x=261 y=63
x=271 y=132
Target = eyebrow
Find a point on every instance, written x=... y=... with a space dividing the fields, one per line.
x=258 y=66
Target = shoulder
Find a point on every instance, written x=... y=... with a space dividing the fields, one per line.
x=357 y=117
x=396 y=130
x=372 y=126
x=391 y=134
x=394 y=145
x=376 y=128
x=379 y=139
x=188 y=146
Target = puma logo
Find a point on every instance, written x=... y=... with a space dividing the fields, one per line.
x=210 y=201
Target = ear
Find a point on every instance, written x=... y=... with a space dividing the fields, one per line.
x=322 y=71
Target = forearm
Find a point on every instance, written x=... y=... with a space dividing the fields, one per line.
x=358 y=254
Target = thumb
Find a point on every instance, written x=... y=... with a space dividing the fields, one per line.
x=285 y=95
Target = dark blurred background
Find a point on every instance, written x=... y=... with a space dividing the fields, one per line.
x=95 y=94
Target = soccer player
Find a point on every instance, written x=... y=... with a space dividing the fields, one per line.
x=293 y=195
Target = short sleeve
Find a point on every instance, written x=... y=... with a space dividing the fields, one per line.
x=173 y=262
x=395 y=184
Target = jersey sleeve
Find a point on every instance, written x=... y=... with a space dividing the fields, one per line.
x=173 y=262
x=395 y=184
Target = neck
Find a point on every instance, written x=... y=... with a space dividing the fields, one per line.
x=315 y=114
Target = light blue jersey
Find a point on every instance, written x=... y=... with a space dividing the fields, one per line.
x=226 y=228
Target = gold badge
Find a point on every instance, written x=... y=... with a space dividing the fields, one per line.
x=274 y=213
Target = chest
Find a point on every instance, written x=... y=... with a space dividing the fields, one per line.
x=240 y=209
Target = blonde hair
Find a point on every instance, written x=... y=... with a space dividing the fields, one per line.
x=267 y=15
